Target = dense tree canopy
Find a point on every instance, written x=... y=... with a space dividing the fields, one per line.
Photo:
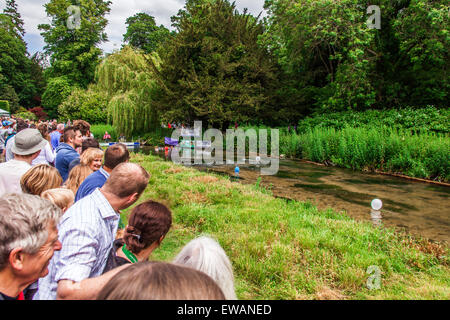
x=72 y=48
x=332 y=60
x=127 y=79
x=143 y=33
x=213 y=69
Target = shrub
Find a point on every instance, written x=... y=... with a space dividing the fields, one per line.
x=58 y=89
x=89 y=105
x=4 y=105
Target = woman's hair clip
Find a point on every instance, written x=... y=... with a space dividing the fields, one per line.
x=137 y=236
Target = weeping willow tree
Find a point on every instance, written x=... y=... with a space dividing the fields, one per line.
x=129 y=83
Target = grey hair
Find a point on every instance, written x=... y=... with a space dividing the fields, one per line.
x=205 y=254
x=24 y=220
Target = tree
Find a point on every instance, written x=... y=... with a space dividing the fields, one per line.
x=331 y=60
x=143 y=33
x=128 y=80
x=213 y=69
x=15 y=83
x=58 y=89
x=89 y=105
x=73 y=51
x=11 y=11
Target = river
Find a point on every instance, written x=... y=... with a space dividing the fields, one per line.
x=419 y=208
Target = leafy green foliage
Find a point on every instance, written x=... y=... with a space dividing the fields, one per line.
x=4 y=105
x=89 y=105
x=17 y=82
x=418 y=120
x=128 y=81
x=213 y=69
x=73 y=51
x=331 y=60
x=143 y=33
x=58 y=89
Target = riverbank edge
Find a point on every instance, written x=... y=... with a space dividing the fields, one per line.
x=398 y=175
x=171 y=181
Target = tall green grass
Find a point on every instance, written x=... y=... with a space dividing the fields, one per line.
x=423 y=155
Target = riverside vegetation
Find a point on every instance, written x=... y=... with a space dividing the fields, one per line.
x=291 y=250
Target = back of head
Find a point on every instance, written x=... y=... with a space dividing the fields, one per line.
x=115 y=155
x=89 y=143
x=77 y=176
x=69 y=133
x=160 y=281
x=147 y=223
x=60 y=127
x=83 y=126
x=21 y=125
x=24 y=220
x=206 y=255
x=40 y=178
x=61 y=197
x=126 y=179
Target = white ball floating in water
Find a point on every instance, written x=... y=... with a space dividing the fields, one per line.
x=376 y=204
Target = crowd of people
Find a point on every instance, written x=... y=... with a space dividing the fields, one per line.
x=61 y=233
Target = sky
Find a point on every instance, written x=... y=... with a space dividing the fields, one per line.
x=33 y=14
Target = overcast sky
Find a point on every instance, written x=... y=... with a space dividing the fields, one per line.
x=33 y=13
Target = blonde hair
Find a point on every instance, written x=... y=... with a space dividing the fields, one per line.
x=77 y=176
x=40 y=178
x=62 y=197
x=89 y=155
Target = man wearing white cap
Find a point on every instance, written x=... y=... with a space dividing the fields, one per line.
x=27 y=146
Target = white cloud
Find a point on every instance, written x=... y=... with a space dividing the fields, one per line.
x=33 y=14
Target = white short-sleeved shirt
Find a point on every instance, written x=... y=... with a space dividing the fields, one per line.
x=10 y=174
x=87 y=232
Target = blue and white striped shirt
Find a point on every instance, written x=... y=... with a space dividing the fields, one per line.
x=87 y=231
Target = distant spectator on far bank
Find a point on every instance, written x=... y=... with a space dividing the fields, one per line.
x=106 y=136
x=27 y=146
x=66 y=153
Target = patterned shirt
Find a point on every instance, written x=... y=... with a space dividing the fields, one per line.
x=87 y=232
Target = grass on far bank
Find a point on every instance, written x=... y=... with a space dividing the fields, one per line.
x=291 y=250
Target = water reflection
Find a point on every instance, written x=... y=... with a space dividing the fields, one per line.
x=376 y=217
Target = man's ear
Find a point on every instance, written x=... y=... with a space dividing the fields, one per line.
x=16 y=258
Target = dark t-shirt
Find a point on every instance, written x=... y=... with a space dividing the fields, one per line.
x=5 y=297
x=114 y=260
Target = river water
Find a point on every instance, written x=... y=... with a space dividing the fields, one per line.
x=419 y=208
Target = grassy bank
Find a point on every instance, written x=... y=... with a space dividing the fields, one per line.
x=290 y=250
